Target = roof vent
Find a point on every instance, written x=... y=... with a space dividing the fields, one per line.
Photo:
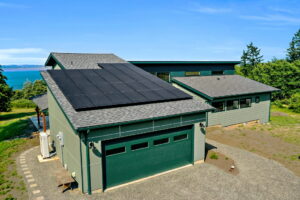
x=71 y=62
x=218 y=78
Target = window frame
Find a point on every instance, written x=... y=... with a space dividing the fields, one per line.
x=246 y=102
x=180 y=139
x=139 y=148
x=112 y=154
x=215 y=111
x=238 y=105
x=216 y=72
x=161 y=140
x=196 y=73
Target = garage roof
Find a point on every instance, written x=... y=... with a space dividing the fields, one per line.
x=110 y=116
x=223 y=85
x=81 y=60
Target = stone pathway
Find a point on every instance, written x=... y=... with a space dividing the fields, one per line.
x=32 y=187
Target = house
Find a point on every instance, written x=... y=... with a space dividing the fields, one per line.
x=106 y=114
x=237 y=99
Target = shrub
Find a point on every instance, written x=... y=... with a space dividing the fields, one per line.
x=294 y=103
x=214 y=156
x=23 y=103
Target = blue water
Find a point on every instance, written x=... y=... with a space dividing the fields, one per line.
x=17 y=75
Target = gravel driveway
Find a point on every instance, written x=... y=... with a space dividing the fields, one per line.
x=259 y=178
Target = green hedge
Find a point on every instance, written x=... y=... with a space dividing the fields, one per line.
x=23 y=103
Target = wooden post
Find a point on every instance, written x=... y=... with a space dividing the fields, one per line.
x=37 y=110
x=44 y=122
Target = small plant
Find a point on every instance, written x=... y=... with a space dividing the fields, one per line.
x=226 y=158
x=214 y=156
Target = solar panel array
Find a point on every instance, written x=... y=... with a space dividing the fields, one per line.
x=113 y=85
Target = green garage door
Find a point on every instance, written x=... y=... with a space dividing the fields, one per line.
x=140 y=156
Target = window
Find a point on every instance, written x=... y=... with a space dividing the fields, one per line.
x=257 y=99
x=219 y=106
x=192 y=73
x=221 y=72
x=139 y=146
x=164 y=76
x=245 y=103
x=180 y=137
x=232 y=104
x=115 y=151
x=161 y=141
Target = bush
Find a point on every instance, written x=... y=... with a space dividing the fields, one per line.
x=23 y=103
x=214 y=156
x=294 y=103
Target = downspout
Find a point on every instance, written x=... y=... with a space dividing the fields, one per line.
x=81 y=171
x=88 y=171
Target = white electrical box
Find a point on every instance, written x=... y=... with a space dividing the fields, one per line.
x=60 y=138
x=44 y=145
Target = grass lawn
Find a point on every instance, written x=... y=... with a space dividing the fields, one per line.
x=13 y=125
x=279 y=140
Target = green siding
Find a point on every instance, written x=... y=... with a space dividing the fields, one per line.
x=69 y=154
x=257 y=111
x=177 y=74
x=199 y=142
x=205 y=73
x=229 y=72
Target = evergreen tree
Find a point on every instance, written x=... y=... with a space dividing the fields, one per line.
x=250 y=58
x=5 y=93
x=293 y=53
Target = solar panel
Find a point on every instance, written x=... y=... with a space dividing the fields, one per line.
x=113 y=85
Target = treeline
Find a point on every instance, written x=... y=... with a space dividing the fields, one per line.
x=283 y=74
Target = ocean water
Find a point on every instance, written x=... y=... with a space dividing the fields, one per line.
x=17 y=75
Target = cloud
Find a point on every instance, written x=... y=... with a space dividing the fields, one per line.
x=274 y=18
x=22 y=56
x=210 y=10
x=10 y=5
x=282 y=10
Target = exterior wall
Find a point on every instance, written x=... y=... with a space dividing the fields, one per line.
x=199 y=142
x=69 y=154
x=56 y=67
x=258 y=111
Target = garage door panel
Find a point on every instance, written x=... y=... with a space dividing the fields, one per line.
x=141 y=157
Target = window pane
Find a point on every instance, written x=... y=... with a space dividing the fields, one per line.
x=245 y=103
x=139 y=146
x=161 y=141
x=232 y=104
x=192 y=73
x=180 y=137
x=217 y=72
x=218 y=105
x=115 y=151
x=164 y=76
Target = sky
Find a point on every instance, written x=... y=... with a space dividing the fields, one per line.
x=146 y=30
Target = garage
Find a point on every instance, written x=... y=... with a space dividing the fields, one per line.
x=133 y=158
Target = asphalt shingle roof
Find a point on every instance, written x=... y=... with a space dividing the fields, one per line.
x=114 y=115
x=41 y=101
x=85 y=60
x=224 y=85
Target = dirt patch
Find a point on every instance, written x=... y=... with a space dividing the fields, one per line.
x=277 y=143
x=221 y=161
x=277 y=113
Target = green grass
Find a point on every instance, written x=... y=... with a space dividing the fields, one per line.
x=214 y=156
x=12 y=124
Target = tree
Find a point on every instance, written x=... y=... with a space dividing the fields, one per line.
x=30 y=90
x=280 y=74
x=250 y=58
x=5 y=93
x=293 y=53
